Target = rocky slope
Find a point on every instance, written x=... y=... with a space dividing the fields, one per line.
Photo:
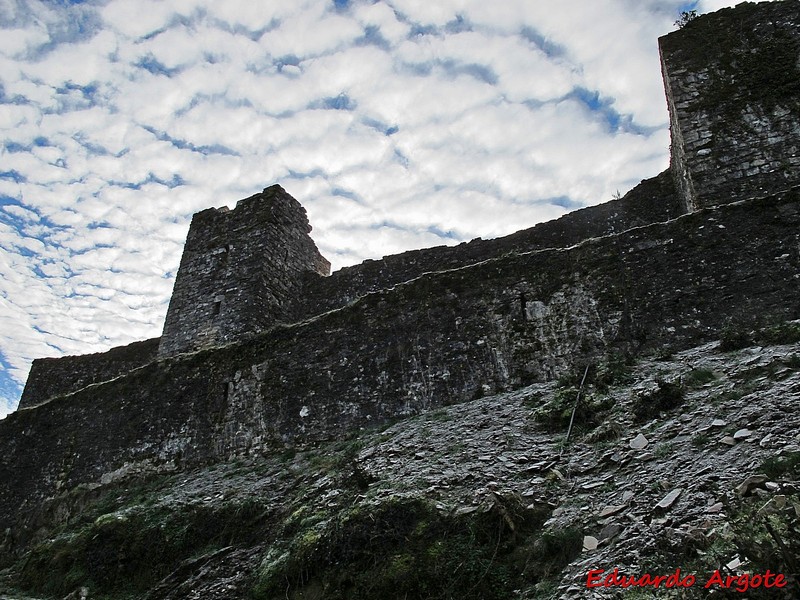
x=485 y=499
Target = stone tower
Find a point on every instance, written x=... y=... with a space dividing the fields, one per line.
x=733 y=88
x=240 y=273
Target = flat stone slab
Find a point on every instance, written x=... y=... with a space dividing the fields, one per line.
x=669 y=499
x=639 y=442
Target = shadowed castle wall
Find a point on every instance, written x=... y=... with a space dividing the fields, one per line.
x=733 y=90
x=732 y=80
x=653 y=200
x=439 y=339
x=209 y=272
x=407 y=333
x=50 y=377
x=240 y=273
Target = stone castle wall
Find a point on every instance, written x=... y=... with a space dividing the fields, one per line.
x=256 y=352
x=243 y=271
x=652 y=200
x=732 y=80
x=50 y=377
x=441 y=338
x=240 y=273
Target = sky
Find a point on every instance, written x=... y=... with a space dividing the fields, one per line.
x=398 y=124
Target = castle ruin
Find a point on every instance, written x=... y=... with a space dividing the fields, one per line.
x=241 y=272
x=261 y=348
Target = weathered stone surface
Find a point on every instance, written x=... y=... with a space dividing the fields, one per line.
x=733 y=89
x=638 y=443
x=465 y=465
x=58 y=376
x=751 y=483
x=467 y=336
x=223 y=245
x=241 y=272
x=669 y=499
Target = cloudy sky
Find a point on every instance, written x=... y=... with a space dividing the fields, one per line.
x=398 y=124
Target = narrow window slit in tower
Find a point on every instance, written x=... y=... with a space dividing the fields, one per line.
x=522 y=305
x=216 y=308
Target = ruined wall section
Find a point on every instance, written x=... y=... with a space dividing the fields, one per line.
x=439 y=339
x=51 y=377
x=240 y=273
x=206 y=277
x=733 y=89
x=653 y=200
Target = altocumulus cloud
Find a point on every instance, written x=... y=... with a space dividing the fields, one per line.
x=399 y=124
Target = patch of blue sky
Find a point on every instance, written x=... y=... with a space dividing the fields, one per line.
x=10 y=389
x=78 y=23
x=186 y=145
x=215 y=99
x=349 y=194
x=153 y=34
x=341 y=5
x=66 y=2
x=212 y=58
x=98 y=225
x=477 y=71
x=401 y=158
x=419 y=30
x=69 y=101
x=386 y=224
x=152 y=65
x=15 y=99
x=9 y=201
x=688 y=6
x=189 y=20
x=91 y=147
x=175 y=181
x=441 y=233
x=563 y=202
x=37 y=269
x=88 y=91
x=15 y=147
x=603 y=109
x=243 y=30
x=312 y=174
x=534 y=104
x=420 y=69
x=380 y=126
x=19 y=218
x=288 y=59
x=452 y=69
x=395 y=226
x=13 y=175
x=24 y=250
x=458 y=25
x=340 y=102
x=548 y=47
x=373 y=37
